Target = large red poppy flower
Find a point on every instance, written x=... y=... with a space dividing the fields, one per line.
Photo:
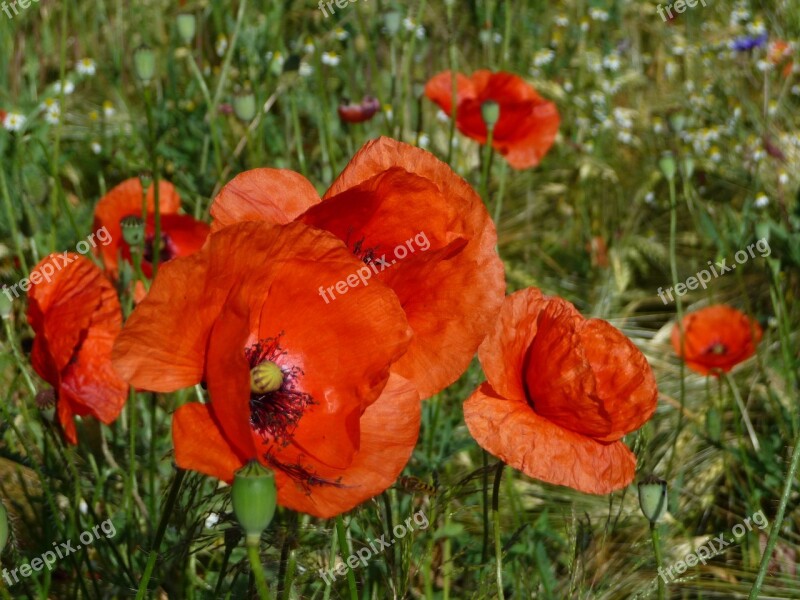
x=422 y=229
x=561 y=392
x=75 y=314
x=716 y=339
x=335 y=432
x=528 y=123
x=181 y=235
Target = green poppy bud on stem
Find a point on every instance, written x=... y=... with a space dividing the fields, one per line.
x=132 y=230
x=653 y=498
x=144 y=63
x=490 y=111
x=187 y=26
x=5 y=306
x=3 y=527
x=253 y=496
x=667 y=165
x=265 y=377
x=244 y=105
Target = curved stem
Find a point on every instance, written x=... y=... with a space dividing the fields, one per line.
x=162 y=528
x=258 y=570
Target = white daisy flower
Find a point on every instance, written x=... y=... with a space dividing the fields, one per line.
x=424 y=140
x=108 y=109
x=305 y=69
x=53 y=114
x=598 y=14
x=69 y=87
x=96 y=147
x=543 y=57
x=409 y=24
x=211 y=520
x=420 y=32
x=783 y=178
x=13 y=121
x=341 y=34
x=442 y=116
x=221 y=45
x=562 y=20
x=612 y=62
x=761 y=201
x=86 y=67
x=649 y=197
x=330 y=58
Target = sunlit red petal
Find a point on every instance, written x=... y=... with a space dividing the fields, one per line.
x=440 y=89
x=200 y=444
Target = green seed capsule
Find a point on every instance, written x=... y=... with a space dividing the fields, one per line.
x=3 y=527
x=254 y=496
x=266 y=377
x=653 y=498
x=144 y=63
x=490 y=111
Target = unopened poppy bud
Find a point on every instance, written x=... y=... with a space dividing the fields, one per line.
x=187 y=26
x=677 y=122
x=667 y=165
x=688 y=166
x=146 y=179
x=5 y=306
x=490 y=111
x=265 y=377
x=391 y=21
x=653 y=498
x=132 y=230
x=253 y=496
x=144 y=63
x=244 y=105
x=3 y=527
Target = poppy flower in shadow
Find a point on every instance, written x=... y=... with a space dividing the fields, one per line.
x=181 y=235
x=75 y=314
x=716 y=338
x=528 y=123
x=389 y=197
x=358 y=113
x=561 y=392
x=303 y=387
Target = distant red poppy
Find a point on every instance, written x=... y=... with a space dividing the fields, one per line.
x=716 y=339
x=388 y=196
x=561 y=392
x=181 y=235
x=335 y=427
x=528 y=123
x=76 y=316
x=358 y=113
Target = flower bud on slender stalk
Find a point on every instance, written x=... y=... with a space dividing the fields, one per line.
x=253 y=496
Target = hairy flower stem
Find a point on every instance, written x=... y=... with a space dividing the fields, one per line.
x=498 y=546
x=257 y=569
x=342 y=536
x=654 y=535
x=177 y=480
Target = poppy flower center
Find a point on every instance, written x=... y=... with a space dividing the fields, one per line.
x=718 y=349
x=166 y=249
x=276 y=401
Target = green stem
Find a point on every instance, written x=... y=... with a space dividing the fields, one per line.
x=162 y=528
x=487 y=161
x=258 y=569
x=453 y=78
x=156 y=181
x=498 y=546
x=12 y=221
x=343 y=548
x=654 y=535
x=774 y=532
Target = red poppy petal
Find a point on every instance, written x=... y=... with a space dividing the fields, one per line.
x=200 y=445
x=504 y=351
x=389 y=431
x=542 y=450
x=66 y=416
x=271 y=195
x=123 y=200
x=440 y=89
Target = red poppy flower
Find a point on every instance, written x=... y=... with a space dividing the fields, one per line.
x=716 y=339
x=333 y=430
x=422 y=229
x=181 y=235
x=358 y=113
x=75 y=314
x=562 y=390
x=528 y=123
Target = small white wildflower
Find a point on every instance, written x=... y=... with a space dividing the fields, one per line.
x=420 y=32
x=612 y=62
x=796 y=90
x=442 y=116
x=96 y=147
x=13 y=121
x=424 y=140
x=83 y=507
x=759 y=155
x=53 y=114
x=625 y=137
x=562 y=20
x=597 y=97
x=330 y=58
x=568 y=87
x=86 y=67
x=715 y=155
x=649 y=197
x=341 y=33
x=757 y=27
x=761 y=201
x=387 y=110
x=305 y=69
x=211 y=520
x=108 y=109
x=658 y=125
x=308 y=46
x=408 y=24
x=783 y=178
x=543 y=57
x=277 y=60
x=69 y=87
x=772 y=108
x=584 y=25
x=221 y=45
x=763 y=65
x=497 y=37
x=598 y=14
x=670 y=69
